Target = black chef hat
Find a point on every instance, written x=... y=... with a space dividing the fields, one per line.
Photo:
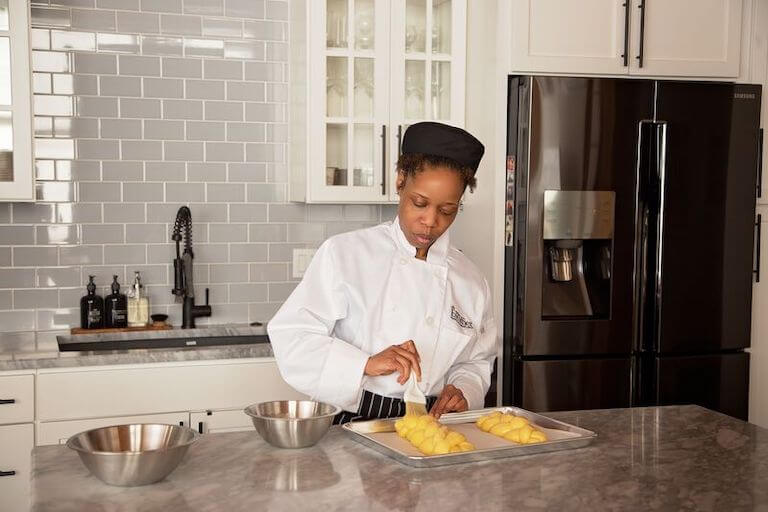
x=440 y=139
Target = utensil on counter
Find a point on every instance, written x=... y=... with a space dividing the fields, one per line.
x=292 y=423
x=133 y=455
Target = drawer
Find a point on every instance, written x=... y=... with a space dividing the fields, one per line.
x=57 y=432
x=16 y=442
x=129 y=391
x=17 y=399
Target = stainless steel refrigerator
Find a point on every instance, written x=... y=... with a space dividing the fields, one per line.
x=630 y=242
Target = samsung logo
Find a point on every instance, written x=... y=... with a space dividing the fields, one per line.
x=745 y=96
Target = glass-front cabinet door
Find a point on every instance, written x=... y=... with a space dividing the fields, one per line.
x=428 y=63
x=354 y=106
x=16 y=166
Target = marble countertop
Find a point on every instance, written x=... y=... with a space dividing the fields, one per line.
x=659 y=458
x=26 y=353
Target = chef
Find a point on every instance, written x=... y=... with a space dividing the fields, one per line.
x=379 y=304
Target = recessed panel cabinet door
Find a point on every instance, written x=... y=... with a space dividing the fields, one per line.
x=686 y=38
x=588 y=36
x=16 y=442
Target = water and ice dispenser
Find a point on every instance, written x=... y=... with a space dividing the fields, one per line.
x=577 y=251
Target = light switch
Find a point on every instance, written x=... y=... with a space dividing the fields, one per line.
x=301 y=259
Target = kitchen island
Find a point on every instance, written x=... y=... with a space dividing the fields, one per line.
x=658 y=458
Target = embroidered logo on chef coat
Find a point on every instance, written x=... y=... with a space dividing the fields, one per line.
x=456 y=316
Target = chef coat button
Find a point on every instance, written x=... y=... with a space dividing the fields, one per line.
x=430 y=321
x=403 y=261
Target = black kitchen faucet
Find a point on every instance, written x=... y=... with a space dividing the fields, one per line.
x=183 y=284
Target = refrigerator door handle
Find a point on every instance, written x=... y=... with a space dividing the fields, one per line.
x=642 y=31
x=758 y=242
x=625 y=55
x=760 y=163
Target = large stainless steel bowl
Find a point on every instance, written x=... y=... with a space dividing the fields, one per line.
x=132 y=455
x=292 y=423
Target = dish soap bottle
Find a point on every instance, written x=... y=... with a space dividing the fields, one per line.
x=91 y=307
x=138 y=304
x=115 y=307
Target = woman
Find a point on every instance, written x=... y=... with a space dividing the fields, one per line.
x=379 y=303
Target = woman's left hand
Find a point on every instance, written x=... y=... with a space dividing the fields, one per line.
x=451 y=400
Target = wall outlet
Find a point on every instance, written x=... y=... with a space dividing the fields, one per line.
x=301 y=259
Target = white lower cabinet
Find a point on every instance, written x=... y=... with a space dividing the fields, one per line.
x=208 y=396
x=213 y=422
x=57 y=432
x=16 y=443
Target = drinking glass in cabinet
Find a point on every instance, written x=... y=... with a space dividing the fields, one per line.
x=336 y=24
x=336 y=154
x=441 y=26
x=362 y=175
x=336 y=87
x=364 y=25
x=441 y=90
x=363 y=87
x=414 y=89
x=415 y=25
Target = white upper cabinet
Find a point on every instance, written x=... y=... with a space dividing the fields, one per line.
x=691 y=38
x=587 y=36
x=16 y=163
x=361 y=72
x=676 y=38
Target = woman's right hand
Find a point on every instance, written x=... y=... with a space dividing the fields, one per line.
x=401 y=358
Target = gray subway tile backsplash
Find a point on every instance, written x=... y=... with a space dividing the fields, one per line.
x=138 y=23
x=183 y=151
x=143 y=106
x=90 y=19
x=163 y=88
x=179 y=67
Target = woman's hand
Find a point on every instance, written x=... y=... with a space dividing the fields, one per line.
x=451 y=400
x=401 y=358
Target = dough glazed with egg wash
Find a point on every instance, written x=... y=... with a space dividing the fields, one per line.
x=510 y=427
x=430 y=437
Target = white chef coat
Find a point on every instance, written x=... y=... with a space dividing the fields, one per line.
x=364 y=291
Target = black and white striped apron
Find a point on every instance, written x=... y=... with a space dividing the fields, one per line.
x=373 y=406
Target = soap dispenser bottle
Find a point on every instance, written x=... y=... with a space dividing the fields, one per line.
x=138 y=304
x=91 y=308
x=115 y=307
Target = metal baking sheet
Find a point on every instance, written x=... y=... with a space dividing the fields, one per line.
x=562 y=436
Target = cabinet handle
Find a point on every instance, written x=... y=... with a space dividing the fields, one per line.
x=759 y=227
x=625 y=55
x=760 y=164
x=200 y=427
x=7 y=401
x=383 y=159
x=642 y=31
x=7 y=473
x=399 y=140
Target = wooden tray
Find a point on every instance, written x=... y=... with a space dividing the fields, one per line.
x=150 y=327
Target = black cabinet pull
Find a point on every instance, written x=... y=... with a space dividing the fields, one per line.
x=7 y=401
x=383 y=159
x=625 y=55
x=399 y=140
x=758 y=242
x=642 y=31
x=200 y=427
x=7 y=473
x=760 y=163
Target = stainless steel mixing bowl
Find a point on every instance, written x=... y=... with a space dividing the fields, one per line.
x=132 y=455
x=292 y=423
